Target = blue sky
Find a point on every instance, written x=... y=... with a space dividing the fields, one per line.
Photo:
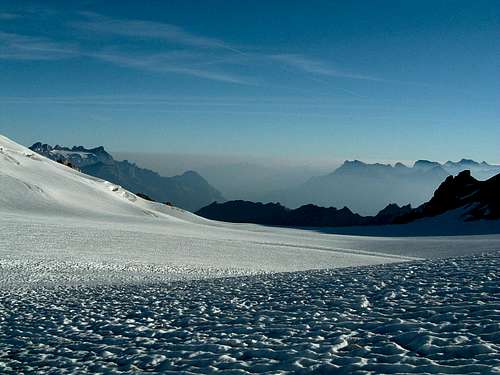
x=372 y=80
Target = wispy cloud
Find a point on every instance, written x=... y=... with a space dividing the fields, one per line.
x=148 y=29
x=317 y=67
x=183 y=52
x=22 y=47
x=169 y=62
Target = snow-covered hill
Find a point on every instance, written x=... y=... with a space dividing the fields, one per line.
x=34 y=185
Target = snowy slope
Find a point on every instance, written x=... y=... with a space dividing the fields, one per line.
x=61 y=226
x=36 y=185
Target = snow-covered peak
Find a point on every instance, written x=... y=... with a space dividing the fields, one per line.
x=78 y=156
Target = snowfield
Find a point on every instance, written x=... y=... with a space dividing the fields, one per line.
x=95 y=279
x=433 y=316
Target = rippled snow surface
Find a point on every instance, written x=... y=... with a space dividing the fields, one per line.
x=432 y=316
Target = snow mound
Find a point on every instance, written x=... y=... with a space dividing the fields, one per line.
x=433 y=316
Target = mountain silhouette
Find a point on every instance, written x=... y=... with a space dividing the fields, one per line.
x=478 y=199
x=367 y=188
x=275 y=214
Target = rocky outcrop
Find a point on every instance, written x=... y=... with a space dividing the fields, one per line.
x=479 y=199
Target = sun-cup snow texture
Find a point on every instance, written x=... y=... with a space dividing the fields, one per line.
x=434 y=316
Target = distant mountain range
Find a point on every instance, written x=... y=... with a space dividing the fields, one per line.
x=189 y=190
x=366 y=188
x=477 y=199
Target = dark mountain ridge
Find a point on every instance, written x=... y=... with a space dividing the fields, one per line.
x=275 y=214
x=479 y=199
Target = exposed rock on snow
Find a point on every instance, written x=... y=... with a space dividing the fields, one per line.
x=479 y=199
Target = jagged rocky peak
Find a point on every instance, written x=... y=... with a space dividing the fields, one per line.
x=357 y=166
x=455 y=186
x=359 y=163
x=345 y=210
x=480 y=170
x=76 y=155
x=348 y=165
x=477 y=199
x=464 y=163
x=426 y=164
x=191 y=174
x=390 y=213
x=41 y=147
x=394 y=208
x=353 y=163
x=468 y=161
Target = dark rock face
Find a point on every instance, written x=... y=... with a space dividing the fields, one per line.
x=189 y=190
x=246 y=212
x=311 y=215
x=480 y=199
x=144 y=196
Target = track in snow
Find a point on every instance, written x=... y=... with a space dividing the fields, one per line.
x=433 y=316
